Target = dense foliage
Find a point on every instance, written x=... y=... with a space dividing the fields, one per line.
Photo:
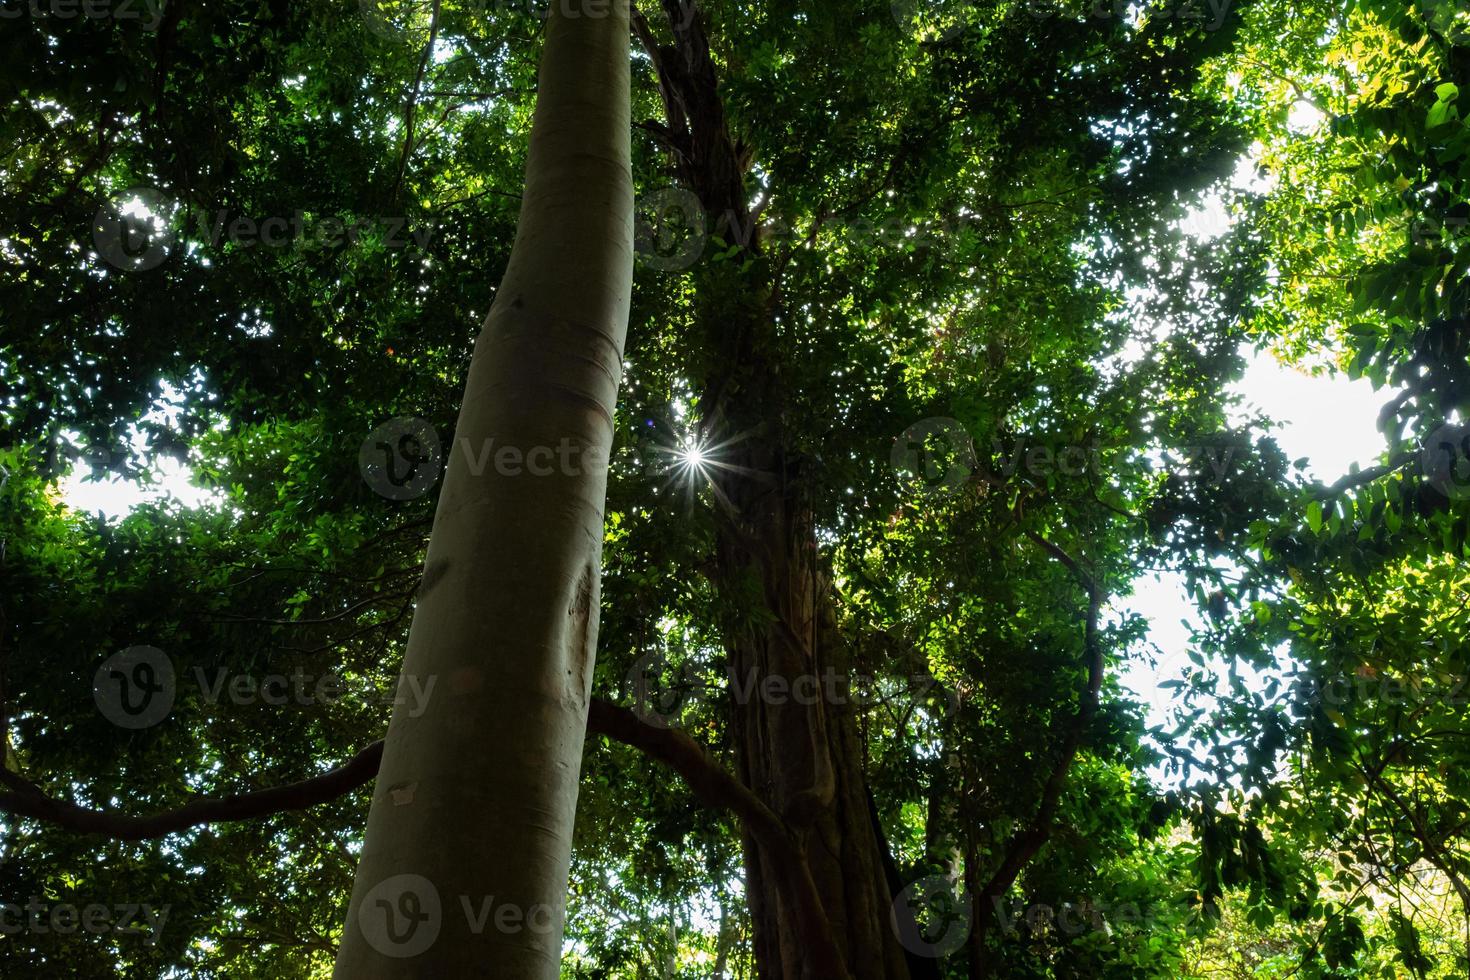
x=1005 y=358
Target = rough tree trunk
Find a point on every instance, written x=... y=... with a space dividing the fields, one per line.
x=799 y=749
x=475 y=799
x=803 y=760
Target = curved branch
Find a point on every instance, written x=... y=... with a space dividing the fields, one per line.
x=30 y=801
x=1354 y=480
x=1025 y=845
x=715 y=786
x=1029 y=841
x=1073 y=565
x=710 y=781
x=413 y=99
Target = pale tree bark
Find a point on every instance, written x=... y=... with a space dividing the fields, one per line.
x=469 y=836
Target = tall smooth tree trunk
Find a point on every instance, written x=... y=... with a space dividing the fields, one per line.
x=464 y=868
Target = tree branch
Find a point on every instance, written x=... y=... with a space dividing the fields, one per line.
x=1353 y=480
x=30 y=801
x=715 y=786
x=1025 y=845
x=1072 y=564
x=1029 y=841
x=335 y=617
x=710 y=781
x=413 y=99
